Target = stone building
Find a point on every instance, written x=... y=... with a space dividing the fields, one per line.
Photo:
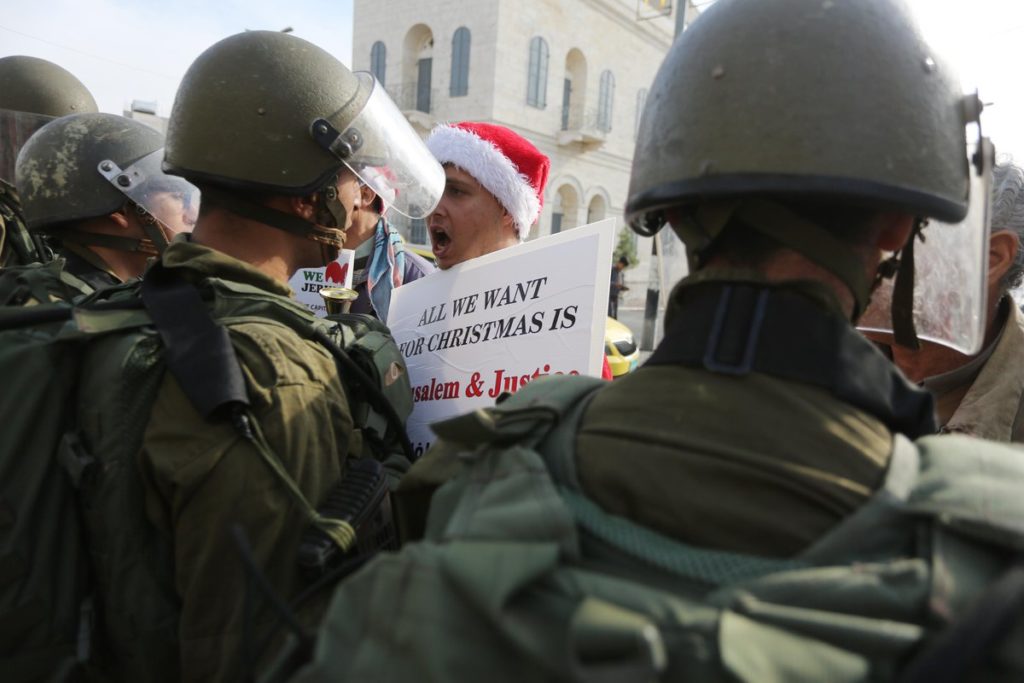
x=569 y=75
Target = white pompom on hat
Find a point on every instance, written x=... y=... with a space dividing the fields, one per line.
x=505 y=163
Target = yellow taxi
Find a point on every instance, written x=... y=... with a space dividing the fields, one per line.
x=620 y=347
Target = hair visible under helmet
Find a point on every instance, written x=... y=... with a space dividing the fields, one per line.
x=1008 y=214
x=760 y=102
x=505 y=163
x=85 y=166
x=266 y=112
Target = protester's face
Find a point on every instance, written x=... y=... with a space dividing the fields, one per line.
x=468 y=222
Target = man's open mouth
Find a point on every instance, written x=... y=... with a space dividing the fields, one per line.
x=439 y=240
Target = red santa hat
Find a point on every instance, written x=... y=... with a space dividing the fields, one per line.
x=505 y=163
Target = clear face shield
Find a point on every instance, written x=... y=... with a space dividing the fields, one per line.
x=16 y=127
x=950 y=264
x=171 y=200
x=386 y=153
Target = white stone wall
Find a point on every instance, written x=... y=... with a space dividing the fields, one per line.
x=390 y=21
x=609 y=36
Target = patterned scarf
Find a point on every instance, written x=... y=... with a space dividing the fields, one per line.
x=386 y=269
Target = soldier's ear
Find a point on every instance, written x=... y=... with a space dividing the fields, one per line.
x=894 y=230
x=303 y=207
x=120 y=218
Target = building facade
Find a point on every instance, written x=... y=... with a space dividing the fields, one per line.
x=569 y=75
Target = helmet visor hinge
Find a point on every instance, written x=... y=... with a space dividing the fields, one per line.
x=342 y=145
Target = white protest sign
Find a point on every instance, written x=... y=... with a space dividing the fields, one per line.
x=494 y=323
x=307 y=282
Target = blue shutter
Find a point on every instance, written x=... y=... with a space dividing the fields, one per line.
x=460 y=63
x=537 y=80
x=641 y=100
x=423 y=85
x=606 y=96
x=378 y=61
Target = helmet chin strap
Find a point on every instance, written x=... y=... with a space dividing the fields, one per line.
x=901 y=265
x=330 y=211
x=330 y=239
x=152 y=245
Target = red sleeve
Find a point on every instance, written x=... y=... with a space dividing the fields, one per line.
x=606 y=370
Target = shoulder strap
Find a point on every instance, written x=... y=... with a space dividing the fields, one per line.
x=198 y=350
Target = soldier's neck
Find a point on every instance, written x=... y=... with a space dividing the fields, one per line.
x=267 y=249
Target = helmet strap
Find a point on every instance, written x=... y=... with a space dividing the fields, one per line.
x=154 y=229
x=116 y=242
x=903 y=328
x=329 y=209
x=327 y=237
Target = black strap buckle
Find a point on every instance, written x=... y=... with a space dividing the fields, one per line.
x=712 y=353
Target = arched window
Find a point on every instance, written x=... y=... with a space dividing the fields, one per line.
x=605 y=96
x=378 y=61
x=641 y=100
x=460 y=62
x=537 y=83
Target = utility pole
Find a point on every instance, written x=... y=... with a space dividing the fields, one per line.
x=654 y=279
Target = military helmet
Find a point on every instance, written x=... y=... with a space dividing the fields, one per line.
x=36 y=86
x=840 y=99
x=57 y=172
x=242 y=115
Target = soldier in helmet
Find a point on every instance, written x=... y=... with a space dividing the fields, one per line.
x=93 y=184
x=277 y=134
x=740 y=507
x=33 y=92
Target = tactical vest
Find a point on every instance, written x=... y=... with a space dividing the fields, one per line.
x=522 y=577
x=49 y=479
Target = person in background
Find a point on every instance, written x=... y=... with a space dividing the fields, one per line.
x=983 y=394
x=618 y=285
x=382 y=262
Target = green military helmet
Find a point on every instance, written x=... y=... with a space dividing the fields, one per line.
x=840 y=99
x=242 y=115
x=36 y=86
x=57 y=172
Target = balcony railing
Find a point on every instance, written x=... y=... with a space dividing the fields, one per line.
x=582 y=126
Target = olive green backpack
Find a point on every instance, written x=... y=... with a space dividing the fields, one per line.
x=48 y=475
x=521 y=577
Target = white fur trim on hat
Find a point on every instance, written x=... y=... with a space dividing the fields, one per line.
x=492 y=169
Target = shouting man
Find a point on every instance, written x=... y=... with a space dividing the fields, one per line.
x=494 y=190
